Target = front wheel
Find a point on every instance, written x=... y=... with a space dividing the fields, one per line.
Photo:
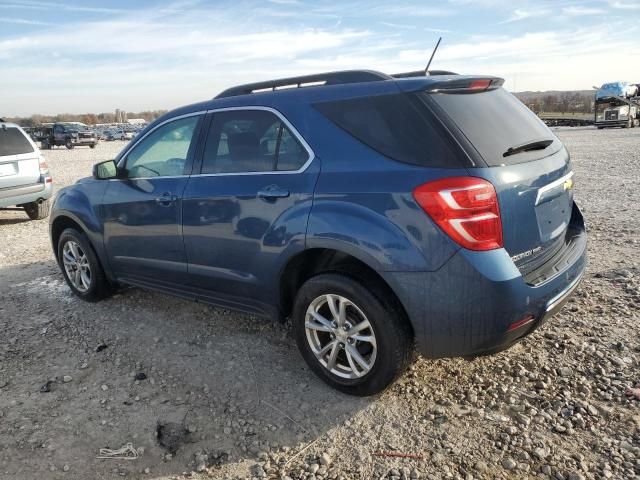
x=93 y=145
x=81 y=267
x=351 y=339
x=69 y=145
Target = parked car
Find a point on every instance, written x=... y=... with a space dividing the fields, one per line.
x=375 y=212
x=118 y=134
x=108 y=136
x=69 y=134
x=25 y=180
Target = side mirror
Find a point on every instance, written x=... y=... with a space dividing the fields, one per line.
x=105 y=170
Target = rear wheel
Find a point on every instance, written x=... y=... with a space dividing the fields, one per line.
x=81 y=267
x=353 y=341
x=37 y=210
x=93 y=145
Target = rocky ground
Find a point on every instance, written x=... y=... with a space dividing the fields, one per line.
x=201 y=392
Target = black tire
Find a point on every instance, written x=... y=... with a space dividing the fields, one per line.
x=99 y=286
x=69 y=145
x=93 y=145
x=388 y=325
x=37 y=210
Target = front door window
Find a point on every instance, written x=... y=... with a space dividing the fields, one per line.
x=164 y=152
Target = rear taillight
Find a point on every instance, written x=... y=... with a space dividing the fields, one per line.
x=466 y=208
x=44 y=167
x=44 y=170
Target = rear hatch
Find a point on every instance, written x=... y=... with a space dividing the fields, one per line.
x=19 y=160
x=527 y=164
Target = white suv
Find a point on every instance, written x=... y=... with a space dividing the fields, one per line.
x=25 y=180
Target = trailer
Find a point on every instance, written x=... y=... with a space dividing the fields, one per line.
x=613 y=110
x=567 y=121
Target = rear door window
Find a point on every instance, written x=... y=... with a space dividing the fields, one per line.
x=399 y=126
x=243 y=141
x=13 y=142
x=495 y=121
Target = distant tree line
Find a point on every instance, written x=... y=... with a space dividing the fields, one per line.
x=86 y=118
x=562 y=102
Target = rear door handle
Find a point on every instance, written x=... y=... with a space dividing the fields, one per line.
x=272 y=192
x=166 y=199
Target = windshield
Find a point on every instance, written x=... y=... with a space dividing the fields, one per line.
x=496 y=122
x=78 y=127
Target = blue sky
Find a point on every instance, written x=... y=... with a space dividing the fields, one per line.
x=93 y=56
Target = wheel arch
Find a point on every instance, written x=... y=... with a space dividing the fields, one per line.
x=314 y=261
x=59 y=225
x=64 y=220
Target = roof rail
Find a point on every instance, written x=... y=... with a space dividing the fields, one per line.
x=329 y=78
x=422 y=73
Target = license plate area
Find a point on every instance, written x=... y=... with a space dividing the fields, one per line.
x=553 y=217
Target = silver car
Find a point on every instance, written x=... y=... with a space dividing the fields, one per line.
x=25 y=180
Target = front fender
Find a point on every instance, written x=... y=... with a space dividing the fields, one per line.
x=80 y=204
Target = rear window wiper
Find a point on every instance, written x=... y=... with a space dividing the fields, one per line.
x=525 y=147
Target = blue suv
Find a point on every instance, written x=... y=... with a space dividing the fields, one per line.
x=376 y=212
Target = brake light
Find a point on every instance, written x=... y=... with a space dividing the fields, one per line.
x=479 y=84
x=466 y=208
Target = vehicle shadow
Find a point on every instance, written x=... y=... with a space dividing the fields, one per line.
x=236 y=383
x=14 y=220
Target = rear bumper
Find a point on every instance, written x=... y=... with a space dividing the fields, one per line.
x=13 y=196
x=479 y=303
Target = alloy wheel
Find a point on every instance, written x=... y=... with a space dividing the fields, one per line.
x=340 y=336
x=76 y=266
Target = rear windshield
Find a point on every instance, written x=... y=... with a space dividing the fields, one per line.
x=495 y=121
x=398 y=126
x=13 y=142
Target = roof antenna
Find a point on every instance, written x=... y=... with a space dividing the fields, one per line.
x=426 y=69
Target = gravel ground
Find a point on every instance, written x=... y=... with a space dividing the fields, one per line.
x=231 y=397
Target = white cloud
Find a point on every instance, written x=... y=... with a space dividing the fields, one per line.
x=23 y=21
x=39 y=5
x=520 y=14
x=181 y=53
x=411 y=11
x=628 y=5
x=577 y=10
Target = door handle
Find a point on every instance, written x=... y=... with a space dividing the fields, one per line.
x=272 y=192
x=166 y=199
